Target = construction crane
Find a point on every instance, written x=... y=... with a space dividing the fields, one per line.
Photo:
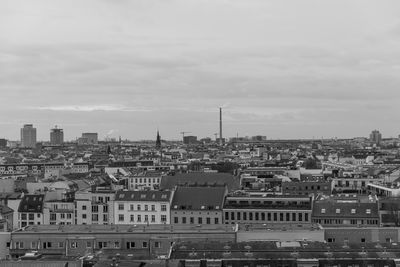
x=183 y=135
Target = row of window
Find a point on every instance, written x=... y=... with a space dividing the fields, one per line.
x=121 y=218
x=95 y=208
x=121 y=206
x=100 y=199
x=89 y=244
x=191 y=220
x=146 y=180
x=353 y=211
x=29 y=216
x=347 y=183
x=318 y=187
x=266 y=216
x=53 y=216
x=341 y=221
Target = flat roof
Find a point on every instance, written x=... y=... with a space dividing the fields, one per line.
x=156 y=228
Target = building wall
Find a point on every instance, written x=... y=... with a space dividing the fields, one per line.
x=94 y=208
x=30 y=218
x=264 y=216
x=59 y=213
x=5 y=238
x=280 y=235
x=196 y=217
x=357 y=235
x=141 y=212
x=78 y=243
x=140 y=182
x=306 y=188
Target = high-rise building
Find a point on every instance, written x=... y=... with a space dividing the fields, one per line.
x=56 y=136
x=28 y=136
x=375 y=137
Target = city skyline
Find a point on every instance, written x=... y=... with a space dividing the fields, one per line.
x=126 y=68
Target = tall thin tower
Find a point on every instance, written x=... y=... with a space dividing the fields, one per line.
x=220 y=127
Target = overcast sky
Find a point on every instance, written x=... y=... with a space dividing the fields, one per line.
x=284 y=69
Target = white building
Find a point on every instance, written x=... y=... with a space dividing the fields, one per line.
x=142 y=207
x=145 y=180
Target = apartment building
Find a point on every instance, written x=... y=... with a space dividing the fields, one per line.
x=307 y=187
x=60 y=212
x=198 y=205
x=145 y=180
x=30 y=210
x=267 y=209
x=94 y=206
x=346 y=210
x=142 y=207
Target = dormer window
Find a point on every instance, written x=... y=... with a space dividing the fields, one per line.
x=368 y=211
x=353 y=211
x=337 y=211
x=323 y=211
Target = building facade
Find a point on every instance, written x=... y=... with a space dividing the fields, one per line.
x=346 y=211
x=198 y=205
x=142 y=207
x=246 y=209
x=145 y=180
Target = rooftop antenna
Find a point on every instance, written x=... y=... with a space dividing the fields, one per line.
x=220 y=126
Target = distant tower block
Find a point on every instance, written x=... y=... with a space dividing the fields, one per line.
x=56 y=136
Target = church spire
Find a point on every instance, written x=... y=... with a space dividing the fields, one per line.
x=158 y=141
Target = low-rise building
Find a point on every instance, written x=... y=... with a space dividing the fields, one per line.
x=267 y=209
x=145 y=180
x=307 y=187
x=352 y=184
x=198 y=205
x=94 y=206
x=30 y=210
x=142 y=241
x=346 y=210
x=142 y=207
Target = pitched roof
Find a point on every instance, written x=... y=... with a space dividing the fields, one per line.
x=200 y=178
x=143 y=196
x=31 y=203
x=340 y=210
x=4 y=209
x=198 y=198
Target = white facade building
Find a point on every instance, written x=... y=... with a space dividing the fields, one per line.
x=142 y=207
x=146 y=180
